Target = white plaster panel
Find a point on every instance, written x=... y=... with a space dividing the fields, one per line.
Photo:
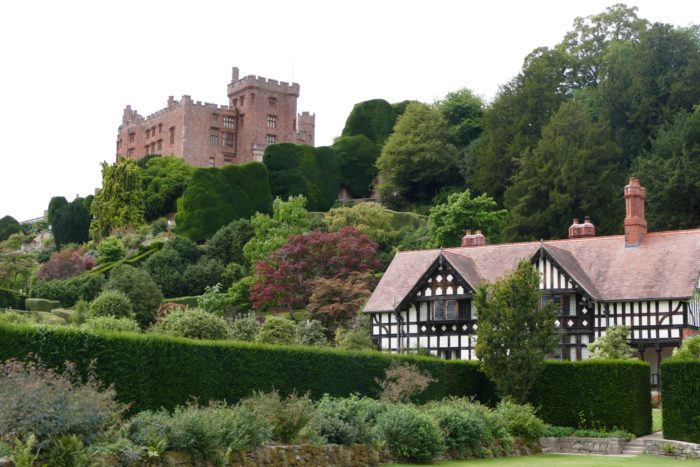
x=454 y=341
x=412 y=314
x=385 y=343
x=675 y=333
x=663 y=333
x=423 y=342
x=392 y=342
x=677 y=319
x=443 y=341
x=433 y=342
x=412 y=342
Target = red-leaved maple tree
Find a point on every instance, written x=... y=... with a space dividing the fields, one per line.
x=285 y=281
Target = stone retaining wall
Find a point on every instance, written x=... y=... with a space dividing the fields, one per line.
x=666 y=447
x=577 y=445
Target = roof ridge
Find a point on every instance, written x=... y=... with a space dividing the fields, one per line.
x=471 y=260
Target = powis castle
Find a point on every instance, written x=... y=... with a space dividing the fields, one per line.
x=260 y=112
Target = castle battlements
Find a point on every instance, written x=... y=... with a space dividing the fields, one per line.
x=260 y=82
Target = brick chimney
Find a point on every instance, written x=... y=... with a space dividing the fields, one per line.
x=635 y=221
x=476 y=239
x=577 y=230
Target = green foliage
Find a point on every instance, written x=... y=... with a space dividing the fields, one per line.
x=245 y=328
x=239 y=294
x=110 y=324
x=192 y=323
x=41 y=402
x=303 y=170
x=152 y=371
x=354 y=339
x=680 y=393
x=277 y=330
x=112 y=303
x=170 y=268
x=212 y=300
x=69 y=291
x=372 y=219
x=215 y=197
x=373 y=119
x=465 y=112
x=293 y=419
x=515 y=332
x=8 y=226
x=464 y=426
x=164 y=181
x=71 y=224
x=356 y=157
x=271 y=232
x=563 y=431
x=69 y=450
x=204 y=273
x=520 y=420
x=612 y=345
x=448 y=222
x=690 y=348
x=41 y=304
x=403 y=382
x=55 y=203
x=554 y=185
x=671 y=174
x=201 y=431
x=11 y=299
x=143 y=292
x=15 y=317
x=311 y=332
x=109 y=250
x=350 y=420
x=120 y=202
x=190 y=302
x=410 y=435
x=600 y=394
x=227 y=243
x=418 y=158
x=159 y=226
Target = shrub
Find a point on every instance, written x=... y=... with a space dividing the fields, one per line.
x=11 y=299
x=213 y=301
x=604 y=393
x=143 y=292
x=403 y=381
x=245 y=328
x=68 y=449
x=15 y=317
x=41 y=402
x=613 y=344
x=159 y=226
x=112 y=303
x=201 y=431
x=410 y=435
x=689 y=349
x=356 y=157
x=109 y=250
x=354 y=339
x=311 y=332
x=110 y=323
x=202 y=274
x=69 y=291
x=41 y=304
x=466 y=432
x=193 y=323
x=276 y=330
x=520 y=420
x=350 y=420
x=293 y=419
x=65 y=263
x=680 y=393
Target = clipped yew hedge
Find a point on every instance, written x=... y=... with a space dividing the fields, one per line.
x=11 y=299
x=600 y=394
x=151 y=371
x=680 y=393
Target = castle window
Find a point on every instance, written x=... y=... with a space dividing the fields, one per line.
x=160 y=145
x=241 y=100
x=228 y=139
x=271 y=139
x=130 y=152
x=272 y=121
x=148 y=133
x=153 y=147
x=214 y=136
x=119 y=144
x=131 y=137
x=153 y=131
x=214 y=117
x=211 y=162
x=272 y=101
x=252 y=98
x=160 y=128
x=145 y=149
x=172 y=134
x=229 y=121
x=229 y=158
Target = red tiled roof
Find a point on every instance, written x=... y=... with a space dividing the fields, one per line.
x=665 y=265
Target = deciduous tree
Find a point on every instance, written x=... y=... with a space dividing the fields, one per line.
x=120 y=202
x=515 y=332
x=164 y=181
x=612 y=345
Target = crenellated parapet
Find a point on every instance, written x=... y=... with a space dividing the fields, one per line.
x=259 y=82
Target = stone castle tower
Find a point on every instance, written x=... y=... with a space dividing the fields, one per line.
x=260 y=112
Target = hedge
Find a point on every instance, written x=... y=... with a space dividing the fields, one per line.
x=600 y=394
x=215 y=197
x=189 y=301
x=357 y=155
x=374 y=119
x=12 y=299
x=680 y=393
x=41 y=304
x=151 y=371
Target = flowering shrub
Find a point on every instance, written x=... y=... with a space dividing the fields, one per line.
x=65 y=263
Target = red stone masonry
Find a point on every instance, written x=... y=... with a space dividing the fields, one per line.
x=260 y=112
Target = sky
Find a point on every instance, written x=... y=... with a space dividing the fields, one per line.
x=70 y=67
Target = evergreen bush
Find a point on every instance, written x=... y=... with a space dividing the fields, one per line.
x=41 y=304
x=11 y=299
x=193 y=323
x=112 y=303
x=409 y=434
x=680 y=393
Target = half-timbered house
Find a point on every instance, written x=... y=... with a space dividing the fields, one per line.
x=649 y=282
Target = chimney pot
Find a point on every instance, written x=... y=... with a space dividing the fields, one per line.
x=577 y=230
x=477 y=239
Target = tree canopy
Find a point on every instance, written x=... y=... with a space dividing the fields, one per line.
x=71 y=223
x=164 y=181
x=120 y=201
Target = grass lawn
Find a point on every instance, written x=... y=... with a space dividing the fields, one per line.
x=655 y=419
x=562 y=460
